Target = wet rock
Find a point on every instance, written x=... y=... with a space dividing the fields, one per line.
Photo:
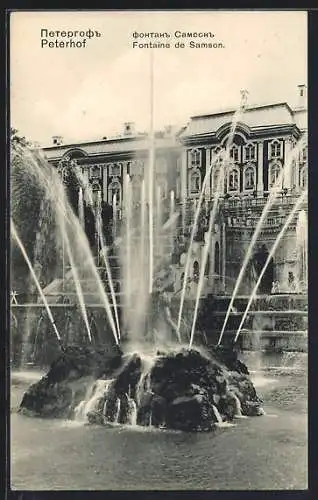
x=185 y=389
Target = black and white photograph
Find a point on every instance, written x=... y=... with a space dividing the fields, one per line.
x=158 y=250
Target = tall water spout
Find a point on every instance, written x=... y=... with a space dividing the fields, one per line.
x=172 y=204
x=114 y=215
x=202 y=270
x=51 y=182
x=101 y=241
x=37 y=284
x=288 y=221
x=225 y=156
x=272 y=196
x=62 y=219
x=128 y=240
x=151 y=172
x=142 y=221
x=302 y=249
x=81 y=207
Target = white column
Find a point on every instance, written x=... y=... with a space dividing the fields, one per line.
x=288 y=165
x=86 y=180
x=260 y=180
x=207 y=166
x=124 y=174
x=104 y=174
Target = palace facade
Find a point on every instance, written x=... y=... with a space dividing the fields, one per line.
x=263 y=140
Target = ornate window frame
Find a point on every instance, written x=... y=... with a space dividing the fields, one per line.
x=277 y=166
x=233 y=169
x=275 y=150
x=114 y=183
x=248 y=148
x=115 y=169
x=95 y=171
x=195 y=158
x=195 y=173
x=249 y=166
x=235 y=153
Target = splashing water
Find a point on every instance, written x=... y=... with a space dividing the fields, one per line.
x=272 y=196
x=132 y=411
x=50 y=181
x=96 y=393
x=302 y=249
x=81 y=207
x=101 y=240
x=288 y=221
x=27 y=260
x=222 y=154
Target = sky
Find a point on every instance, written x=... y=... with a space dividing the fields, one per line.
x=88 y=93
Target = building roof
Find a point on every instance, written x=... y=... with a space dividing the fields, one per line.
x=266 y=115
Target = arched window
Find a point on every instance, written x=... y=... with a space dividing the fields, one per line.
x=96 y=193
x=303 y=177
x=274 y=175
x=235 y=153
x=114 y=190
x=195 y=182
x=276 y=149
x=195 y=158
x=250 y=152
x=249 y=178
x=217 y=258
x=234 y=180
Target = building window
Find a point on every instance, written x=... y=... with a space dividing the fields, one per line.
x=249 y=178
x=95 y=171
x=217 y=156
x=276 y=149
x=250 y=152
x=114 y=191
x=303 y=177
x=195 y=158
x=115 y=169
x=195 y=182
x=235 y=154
x=234 y=180
x=275 y=175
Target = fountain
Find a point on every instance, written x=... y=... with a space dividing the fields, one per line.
x=149 y=376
